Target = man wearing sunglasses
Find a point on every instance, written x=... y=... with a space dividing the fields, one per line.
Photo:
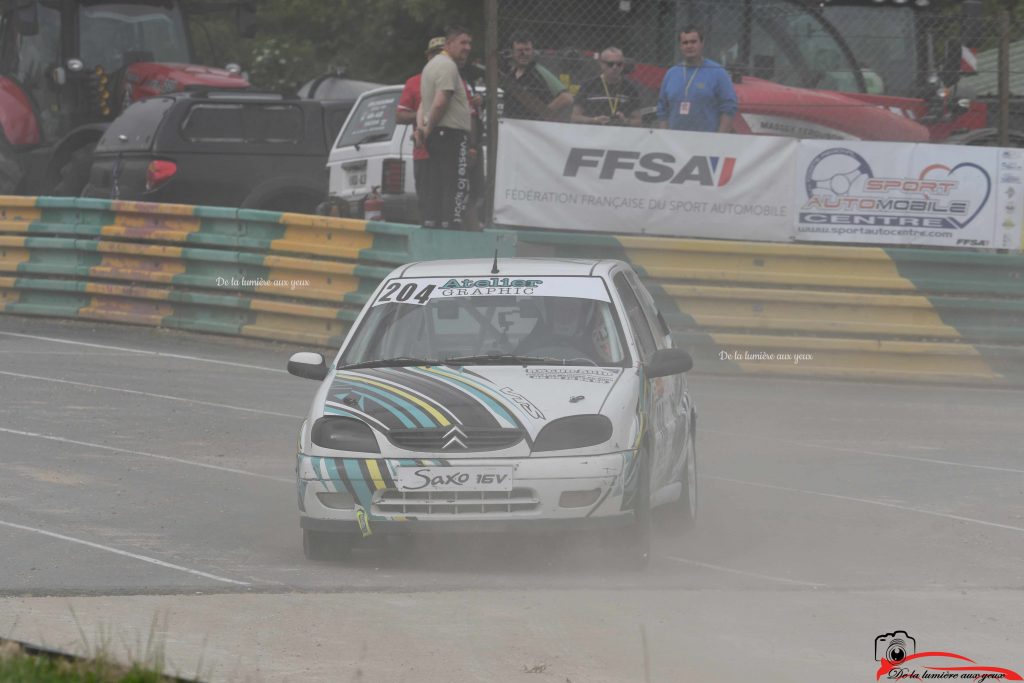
x=696 y=94
x=610 y=98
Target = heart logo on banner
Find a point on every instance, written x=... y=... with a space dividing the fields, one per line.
x=963 y=173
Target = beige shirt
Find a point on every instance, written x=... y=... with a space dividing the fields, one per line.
x=441 y=73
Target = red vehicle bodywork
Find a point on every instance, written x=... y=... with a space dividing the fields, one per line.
x=146 y=79
x=859 y=115
x=17 y=119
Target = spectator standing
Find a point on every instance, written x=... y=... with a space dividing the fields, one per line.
x=696 y=94
x=443 y=123
x=532 y=92
x=408 y=105
x=610 y=98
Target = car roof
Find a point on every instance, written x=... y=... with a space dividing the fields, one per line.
x=481 y=267
x=335 y=87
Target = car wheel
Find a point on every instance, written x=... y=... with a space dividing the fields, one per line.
x=74 y=175
x=11 y=171
x=634 y=544
x=326 y=545
x=683 y=512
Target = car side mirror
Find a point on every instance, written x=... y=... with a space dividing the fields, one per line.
x=307 y=365
x=668 y=362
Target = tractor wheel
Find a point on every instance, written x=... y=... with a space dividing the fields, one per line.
x=74 y=175
x=11 y=171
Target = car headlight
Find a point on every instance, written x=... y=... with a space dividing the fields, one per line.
x=577 y=431
x=344 y=434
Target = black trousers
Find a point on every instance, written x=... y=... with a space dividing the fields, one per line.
x=448 y=178
x=421 y=177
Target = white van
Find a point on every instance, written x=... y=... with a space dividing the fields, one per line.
x=373 y=154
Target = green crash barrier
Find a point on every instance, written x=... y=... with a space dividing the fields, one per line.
x=743 y=308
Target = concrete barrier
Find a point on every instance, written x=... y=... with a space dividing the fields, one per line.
x=792 y=310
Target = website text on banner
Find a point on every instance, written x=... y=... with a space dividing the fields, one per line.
x=635 y=180
x=885 y=193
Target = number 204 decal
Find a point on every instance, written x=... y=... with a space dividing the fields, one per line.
x=406 y=293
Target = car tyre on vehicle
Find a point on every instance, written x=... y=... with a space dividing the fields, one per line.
x=74 y=175
x=326 y=545
x=680 y=516
x=11 y=171
x=633 y=547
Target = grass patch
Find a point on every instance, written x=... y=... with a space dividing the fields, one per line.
x=19 y=666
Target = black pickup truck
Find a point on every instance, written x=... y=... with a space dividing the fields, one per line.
x=233 y=148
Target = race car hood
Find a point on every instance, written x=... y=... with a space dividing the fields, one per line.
x=398 y=401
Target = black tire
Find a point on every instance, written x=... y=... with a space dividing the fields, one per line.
x=326 y=545
x=633 y=546
x=680 y=516
x=295 y=202
x=401 y=546
x=293 y=194
x=74 y=175
x=11 y=171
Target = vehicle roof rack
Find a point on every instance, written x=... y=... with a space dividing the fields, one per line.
x=237 y=93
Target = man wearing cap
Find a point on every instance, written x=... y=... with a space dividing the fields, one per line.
x=408 y=104
x=444 y=124
x=405 y=114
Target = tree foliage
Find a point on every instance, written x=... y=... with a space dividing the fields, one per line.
x=297 y=40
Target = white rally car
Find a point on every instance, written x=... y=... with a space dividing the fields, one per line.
x=496 y=395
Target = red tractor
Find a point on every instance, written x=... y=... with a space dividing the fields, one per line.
x=69 y=67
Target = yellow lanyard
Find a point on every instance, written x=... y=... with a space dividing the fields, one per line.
x=613 y=105
x=686 y=90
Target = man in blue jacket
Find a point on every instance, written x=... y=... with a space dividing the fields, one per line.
x=696 y=94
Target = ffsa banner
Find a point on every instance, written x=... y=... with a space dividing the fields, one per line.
x=884 y=193
x=659 y=182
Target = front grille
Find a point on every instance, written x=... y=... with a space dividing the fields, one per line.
x=436 y=440
x=448 y=503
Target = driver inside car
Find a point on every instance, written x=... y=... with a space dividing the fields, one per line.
x=565 y=330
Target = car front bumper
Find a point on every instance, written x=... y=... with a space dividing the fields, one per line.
x=548 y=494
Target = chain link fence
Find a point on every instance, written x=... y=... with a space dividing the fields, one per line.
x=865 y=50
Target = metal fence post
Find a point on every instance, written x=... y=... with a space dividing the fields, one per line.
x=491 y=79
x=1004 y=75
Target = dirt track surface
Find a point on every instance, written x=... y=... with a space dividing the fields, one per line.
x=148 y=476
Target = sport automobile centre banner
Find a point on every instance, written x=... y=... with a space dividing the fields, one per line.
x=885 y=193
x=763 y=188
x=659 y=182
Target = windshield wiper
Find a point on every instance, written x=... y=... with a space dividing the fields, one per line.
x=505 y=359
x=400 y=361
x=370 y=138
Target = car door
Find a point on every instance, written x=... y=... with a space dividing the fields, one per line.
x=675 y=399
x=659 y=423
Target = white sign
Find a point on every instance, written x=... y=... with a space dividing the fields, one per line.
x=636 y=180
x=420 y=290
x=452 y=479
x=922 y=194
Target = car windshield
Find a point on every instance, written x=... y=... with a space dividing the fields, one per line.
x=571 y=321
